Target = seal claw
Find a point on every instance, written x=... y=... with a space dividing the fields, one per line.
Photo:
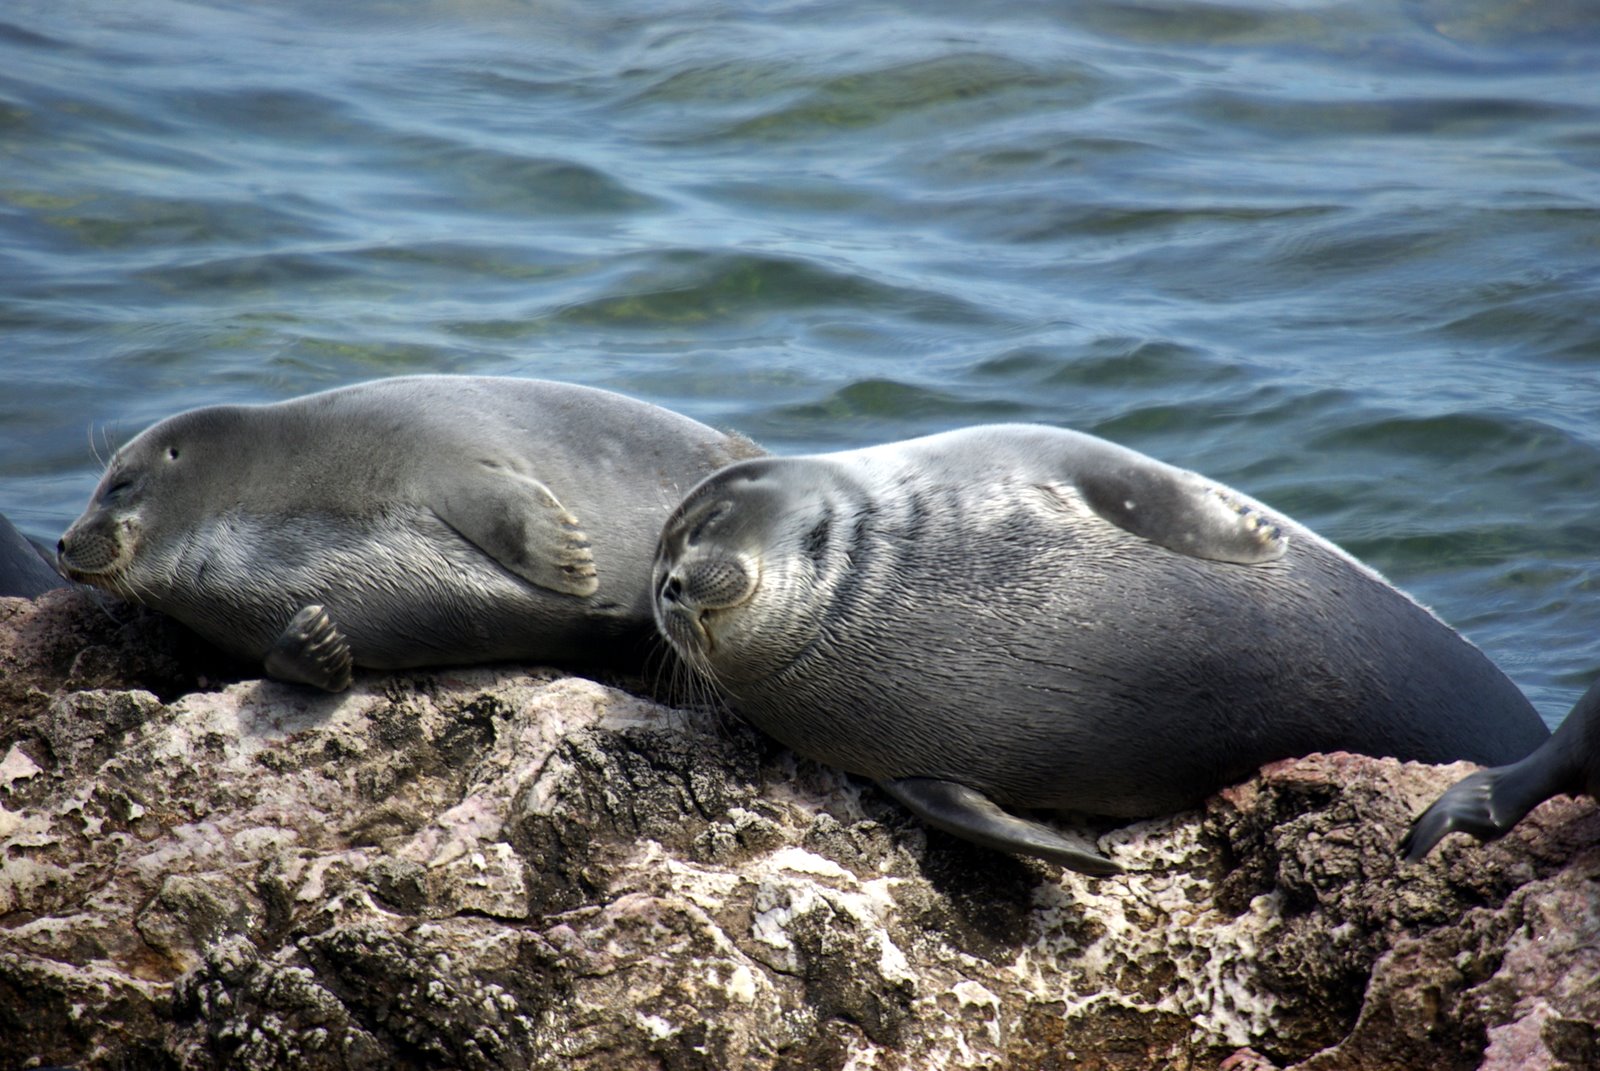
x=520 y=523
x=310 y=650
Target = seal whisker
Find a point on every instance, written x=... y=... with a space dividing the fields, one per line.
x=122 y=589
x=664 y=670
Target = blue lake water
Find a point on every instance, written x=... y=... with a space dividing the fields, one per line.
x=1343 y=255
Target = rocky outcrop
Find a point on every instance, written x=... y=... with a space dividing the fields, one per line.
x=505 y=868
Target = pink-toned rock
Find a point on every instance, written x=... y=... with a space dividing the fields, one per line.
x=493 y=868
x=1247 y=1060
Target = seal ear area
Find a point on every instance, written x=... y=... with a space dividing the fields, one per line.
x=519 y=522
x=1182 y=512
x=169 y=443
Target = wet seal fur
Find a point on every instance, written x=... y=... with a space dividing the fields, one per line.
x=1488 y=803
x=1018 y=616
x=422 y=520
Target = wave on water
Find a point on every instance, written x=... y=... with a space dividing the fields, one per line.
x=1341 y=255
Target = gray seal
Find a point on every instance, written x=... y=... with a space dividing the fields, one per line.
x=414 y=521
x=1018 y=616
x=1488 y=803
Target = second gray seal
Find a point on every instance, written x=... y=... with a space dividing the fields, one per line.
x=1019 y=616
x=413 y=521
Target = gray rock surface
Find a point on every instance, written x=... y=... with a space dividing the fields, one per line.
x=508 y=868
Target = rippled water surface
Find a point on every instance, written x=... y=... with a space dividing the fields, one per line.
x=1344 y=255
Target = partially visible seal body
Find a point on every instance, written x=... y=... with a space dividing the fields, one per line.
x=24 y=572
x=423 y=520
x=1488 y=803
x=1025 y=617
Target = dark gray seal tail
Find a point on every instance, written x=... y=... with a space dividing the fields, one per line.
x=1488 y=803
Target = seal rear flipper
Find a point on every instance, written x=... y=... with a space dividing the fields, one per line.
x=972 y=816
x=310 y=650
x=1488 y=803
x=1182 y=512
x=519 y=522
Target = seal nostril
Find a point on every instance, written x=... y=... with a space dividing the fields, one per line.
x=61 y=546
x=672 y=589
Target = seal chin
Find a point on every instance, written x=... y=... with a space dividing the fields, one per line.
x=687 y=633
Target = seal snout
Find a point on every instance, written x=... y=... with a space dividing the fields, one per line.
x=88 y=553
x=713 y=583
x=691 y=591
x=700 y=584
x=677 y=618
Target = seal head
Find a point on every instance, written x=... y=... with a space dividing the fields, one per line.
x=140 y=510
x=765 y=528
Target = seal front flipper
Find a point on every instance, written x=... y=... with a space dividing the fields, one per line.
x=519 y=522
x=1182 y=512
x=973 y=816
x=310 y=650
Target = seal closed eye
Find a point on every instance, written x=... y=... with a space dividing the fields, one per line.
x=414 y=521
x=1021 y=617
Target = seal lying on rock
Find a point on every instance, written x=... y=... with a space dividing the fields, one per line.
x=424 y=520
x=1488 y=803
x=1021 y=616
